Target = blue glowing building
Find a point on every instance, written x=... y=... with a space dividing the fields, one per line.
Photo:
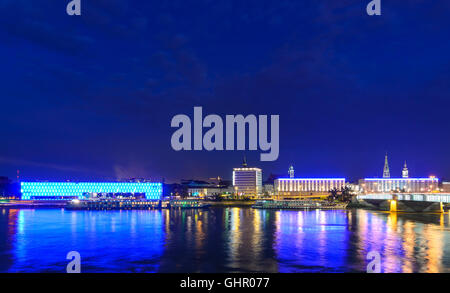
x=83 y=190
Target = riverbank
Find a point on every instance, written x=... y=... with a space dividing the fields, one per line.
x=29 y=204
x=231 y=203
x=17 y=204
x=358 y=205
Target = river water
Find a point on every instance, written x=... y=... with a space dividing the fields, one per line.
x=223 y=240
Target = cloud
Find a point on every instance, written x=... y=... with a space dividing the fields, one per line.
x=21 y=162
x=42 y=25
x=129 y=171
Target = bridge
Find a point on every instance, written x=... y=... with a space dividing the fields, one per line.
x=408 y=202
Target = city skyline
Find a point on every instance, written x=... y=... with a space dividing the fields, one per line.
x=266 y=175
x=226 y=144
x=93 y=97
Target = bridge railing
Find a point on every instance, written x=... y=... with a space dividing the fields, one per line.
x=437 y=197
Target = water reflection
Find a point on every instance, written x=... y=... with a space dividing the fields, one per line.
x=319 y=244
x=223 y=240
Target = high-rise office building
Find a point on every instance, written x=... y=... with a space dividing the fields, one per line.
x=247 y=181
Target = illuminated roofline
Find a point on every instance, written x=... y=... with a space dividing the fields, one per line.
x=85 y=182
x=327 y=179
x=68 y=189
x=401 y=179
x=246 y=169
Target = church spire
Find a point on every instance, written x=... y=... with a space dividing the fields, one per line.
x=405 y=172
x=386 y=173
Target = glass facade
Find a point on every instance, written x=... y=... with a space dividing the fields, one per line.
x=80 y=190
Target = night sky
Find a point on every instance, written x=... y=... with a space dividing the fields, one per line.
x=92 y=97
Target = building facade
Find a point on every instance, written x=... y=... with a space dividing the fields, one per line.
x=84 y=190
x=446 y=186
x=382 y=185
x=268 y=189
x=209 y=191
x=247 y=181
x=202 y=188
x=307 y=186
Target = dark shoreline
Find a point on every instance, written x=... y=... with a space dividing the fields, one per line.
x=231 y=203
x=16 y=205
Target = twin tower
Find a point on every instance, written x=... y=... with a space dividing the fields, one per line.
x=387 y=174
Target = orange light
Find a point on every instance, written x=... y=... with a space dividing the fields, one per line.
x=393 y=206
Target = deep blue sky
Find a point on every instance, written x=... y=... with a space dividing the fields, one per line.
x=91 y=97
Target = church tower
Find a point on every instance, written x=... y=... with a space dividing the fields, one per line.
x=386 y=173
x=405 y=172
x=291 y=171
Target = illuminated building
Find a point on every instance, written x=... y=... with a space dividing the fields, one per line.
x=404 y=184
x=307 y=186
x=381 y=185
x=247 y=181
x=203 y=188
x=268 y=189
x=405 y=172
x=291 y=171
x=446 y=186
x=354 y=188
x=209 y=191
x=83 y=190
